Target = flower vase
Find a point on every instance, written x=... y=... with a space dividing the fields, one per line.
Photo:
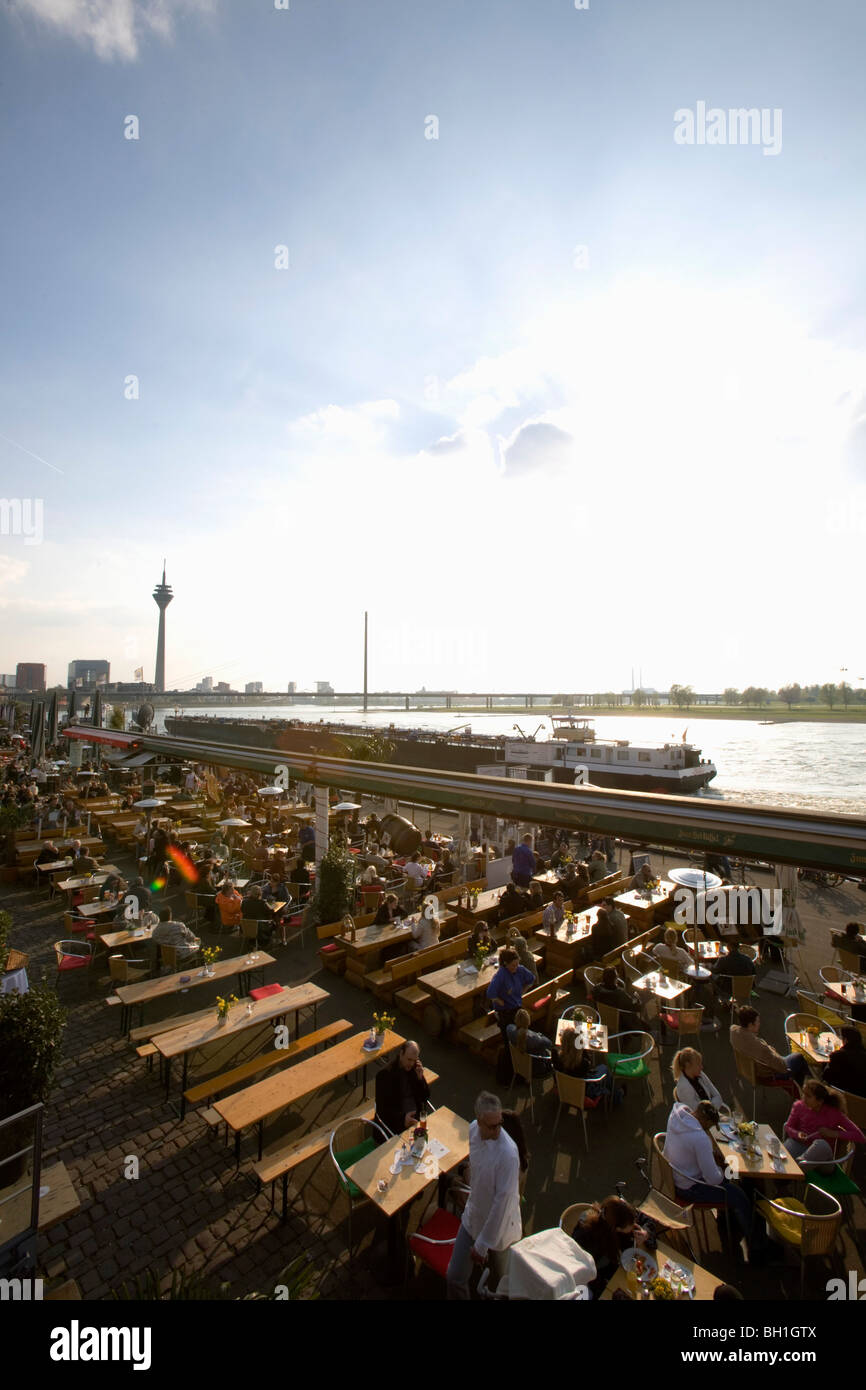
x=379 y=1038
x=222 y=1020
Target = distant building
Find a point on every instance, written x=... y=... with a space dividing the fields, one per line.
x=7 y=682
x=223 y=688
x=30 y=676
x=293 y=686
x=324 y=688
x=253 y=688
x=87 y=673
x=205 y=685
x=130 y=688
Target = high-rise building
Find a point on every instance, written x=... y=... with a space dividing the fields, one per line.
x=253 y=688
x=205 y=685
x=223 y=688
x=87 y=673
x=324 y=688
x=293 y=685
x=162 y=597
x=29 y=675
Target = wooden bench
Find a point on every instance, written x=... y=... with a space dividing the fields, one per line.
x=483 y=1035
x=613 y=957
x=398 y=976
x=210 y=1089
x=332 y=956
x=279 y=1162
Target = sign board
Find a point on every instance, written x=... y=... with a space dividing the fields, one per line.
x=498 y=872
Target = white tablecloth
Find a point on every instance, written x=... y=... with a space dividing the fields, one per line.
x=547 y=1266
x=14 y=980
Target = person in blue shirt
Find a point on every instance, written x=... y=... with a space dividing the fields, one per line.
x=523 y=863
x=505 y=990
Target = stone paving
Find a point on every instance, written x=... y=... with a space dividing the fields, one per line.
x=190 y=1208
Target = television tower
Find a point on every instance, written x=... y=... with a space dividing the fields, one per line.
x=162 y=597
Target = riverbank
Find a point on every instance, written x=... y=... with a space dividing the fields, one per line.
x=772 y=715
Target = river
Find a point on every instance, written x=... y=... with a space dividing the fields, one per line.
x=816 y=766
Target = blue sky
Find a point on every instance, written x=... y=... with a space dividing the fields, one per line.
x=658 y=459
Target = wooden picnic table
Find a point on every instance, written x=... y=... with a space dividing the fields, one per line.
x=58 y=1202
x=257 y=1103
x=99 y=909
x=759 y=1165
x=818 y=1050
x=486 y=907
x=401 y=1188
x=662 y=986
x=705 y=1283
x=365 y=952
x=55 y=866
x=188 y=1038
x=643 y=908
x=185 y=832
x=28 y=850
x=113 y=940
x=90 y=880
x=458 y=988
x=143 y=992
x=565 y=948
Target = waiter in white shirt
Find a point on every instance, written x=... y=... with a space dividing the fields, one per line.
x=491 y=1218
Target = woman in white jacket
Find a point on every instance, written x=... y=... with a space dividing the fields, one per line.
x=691 y=1083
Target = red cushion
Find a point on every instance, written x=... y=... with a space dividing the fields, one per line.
x=79 y=926
x=331 y=946
x=91 y=936
x=590 y=1102
x=543 y=1002
x=670 y=1020
x=443 y=1225
x=73 y=962
x=264 y=991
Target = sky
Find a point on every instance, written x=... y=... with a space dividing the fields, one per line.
x=432 y=310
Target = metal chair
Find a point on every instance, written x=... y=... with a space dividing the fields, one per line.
x=609 y=1016
x=631 y=1065
x=592 y=978
x=667 y=1175
x=71 y=955
x=521 y=1065
x=350 y=1141
x=592 y=1015
x=676 y=1219
x=811 y=1226
x=747 y=1070
x=570 y=1217
x=800 y=1022
x=839 y=1183
x=684 y=1023
x=741 y=987
x=126 y=972
x=571 y=1092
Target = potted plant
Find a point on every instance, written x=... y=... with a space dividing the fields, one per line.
x=479 y=956
x=222 y=1007
x=11 y=819
x=335 y=886
x=381 y=1023
x=31 y=1030
x=209 y=955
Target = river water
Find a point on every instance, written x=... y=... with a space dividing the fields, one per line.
x=815 y=766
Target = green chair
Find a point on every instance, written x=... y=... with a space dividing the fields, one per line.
x=839 y=1183
x=350 y=1141
x=631 y=1065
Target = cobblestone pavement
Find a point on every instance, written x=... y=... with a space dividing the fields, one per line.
x=191 y=1208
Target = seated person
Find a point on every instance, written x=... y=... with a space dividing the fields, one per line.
x=535 y=901
x=425 y=932
x=692 y=1084
x=614 y=994
x=255 y=909
x=524 y=955
x=851 y=941
x=538 y=1047
x=619 y=923
x=171 y=933
x=415 y=871
x=597 y=866
x=670 y=954
x=300 y=873
x=401 y=1090
x=229 y=904
x=49 y=854
x=602 y=938
x=604 y=1231
x=744 y=1038
x=388 y=911
x=847 y=1067
x=554 y=913
x=818 y=1128
x=480 y=936
x=513 y=903
x=113 y=884
x=562 y=857
x=736 y=962
x=697 y=1169
x=583 y=1064
x=643 y=876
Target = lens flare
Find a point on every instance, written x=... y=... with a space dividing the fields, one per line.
x=183 y=864
x=158 y=885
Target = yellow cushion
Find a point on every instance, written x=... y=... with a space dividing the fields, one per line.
x=789 y=1227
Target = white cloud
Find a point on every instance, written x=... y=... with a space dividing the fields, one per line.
x=114 y=28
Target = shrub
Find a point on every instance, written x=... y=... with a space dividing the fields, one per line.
x=31 y=1029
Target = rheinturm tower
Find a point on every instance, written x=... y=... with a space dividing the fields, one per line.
x=162 y=597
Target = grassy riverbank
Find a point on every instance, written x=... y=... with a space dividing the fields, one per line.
x=777 y=714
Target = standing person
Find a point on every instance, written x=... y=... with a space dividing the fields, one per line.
x=491 y=1217
x=523 y=863
x=505 y=990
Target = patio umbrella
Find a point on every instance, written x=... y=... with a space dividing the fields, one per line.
x=52 y=718
x=37 y=735
x=270 y=793
x=347 y=806
x=235 y=823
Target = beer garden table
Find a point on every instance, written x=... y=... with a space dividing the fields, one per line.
x=139 y=995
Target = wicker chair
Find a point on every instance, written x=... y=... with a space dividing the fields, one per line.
x=126 y=972
x=71 y=955
x=667 y=1184
x=685 y=1023
x=571 y=1092
x=811 y=1226
x=747 y=1070
x=571 y=1216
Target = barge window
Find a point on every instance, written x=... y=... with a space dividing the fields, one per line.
x=595 y=752
x=622 y=754
x=643 y=757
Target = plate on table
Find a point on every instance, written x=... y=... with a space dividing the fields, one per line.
x=678 y=1274
x=728 y=1129
x=628 y=1257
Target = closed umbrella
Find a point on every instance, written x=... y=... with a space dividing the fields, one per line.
x=96 y=711
x=37 y=735
x=70 y=705
x=52 y=718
